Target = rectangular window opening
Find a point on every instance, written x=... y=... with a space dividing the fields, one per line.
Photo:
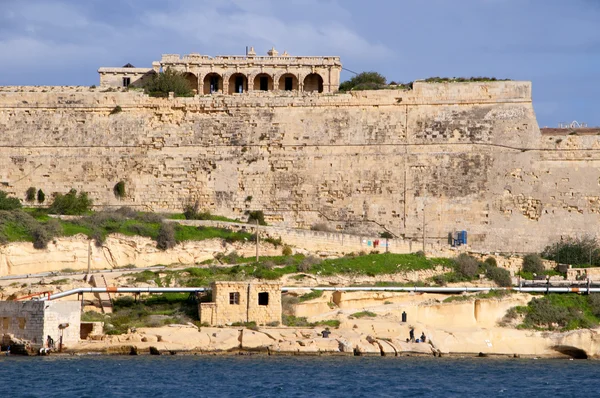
x=263 y=298
x=126 y=81
x=264 y=83
x=234 y=298
x=289 y=84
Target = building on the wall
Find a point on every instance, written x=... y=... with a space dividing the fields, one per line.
x=34 y=321
x=240 y=302
x=126 y=76
x=232 y=74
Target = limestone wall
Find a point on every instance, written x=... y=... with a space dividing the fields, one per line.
x=459 y=155
x=118 y=251
x=240 y=302
x=24 y=320
x=35 y=320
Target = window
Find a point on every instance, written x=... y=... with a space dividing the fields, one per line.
x=264 y=83
x=263 y=298
x=126 y=81
x=234 y=298
x=289 y=83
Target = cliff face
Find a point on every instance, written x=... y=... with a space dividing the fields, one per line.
x=468 y=155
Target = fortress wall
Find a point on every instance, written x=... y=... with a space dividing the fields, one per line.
x=470 y=154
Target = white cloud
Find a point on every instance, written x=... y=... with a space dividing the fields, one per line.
x=207 y=24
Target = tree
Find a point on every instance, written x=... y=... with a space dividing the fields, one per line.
x=364 y=81
x=466 y=265
x=71 y=203
x=41 y=196
x=166 y=82
x=387 y=236
x=533 y=263
x=7 y=203
x=166 y=236
x=30 y=194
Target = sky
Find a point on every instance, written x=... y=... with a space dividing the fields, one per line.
x=553 y=43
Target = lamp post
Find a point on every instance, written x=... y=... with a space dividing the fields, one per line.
x=62 y=328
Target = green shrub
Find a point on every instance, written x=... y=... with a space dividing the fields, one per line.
x=307 y=264
x=533 y=263
x=115 y=110
x=594 y=302
x=462 y=79
x=491 y=261
x=166 y=82
x=582 y=251
x=291 y=320
x=256 y=215
x=334 y=323
x=286 y=251
x=41 y=196
x=363 y=314
x=166 y=236
x=30 y=194
x=231 y=258
x=119 y=190
x=560 y=311
x=71 y=203
x=500 y=276
x=386 y=235
x=466 y=265
x=7 y=203
x=364 y=81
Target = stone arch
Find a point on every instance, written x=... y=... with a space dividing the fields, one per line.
x=288 y=82
x=238 y=83
x=263 y=82
x=313 y=83
x=192 y=80
x=213 y=83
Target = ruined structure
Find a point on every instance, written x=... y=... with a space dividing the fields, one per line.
x=241 y=302
x=426 y=161
x=236 y=74
x=35 y=320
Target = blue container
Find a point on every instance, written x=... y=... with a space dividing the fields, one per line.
x=462 y=238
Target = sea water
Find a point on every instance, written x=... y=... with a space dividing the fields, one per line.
x=262 y=376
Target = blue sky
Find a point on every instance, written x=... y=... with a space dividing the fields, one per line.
x=554 y=43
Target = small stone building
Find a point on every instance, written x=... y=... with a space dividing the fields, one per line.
x=35 y=320
x=242 y=302
x=236 y=74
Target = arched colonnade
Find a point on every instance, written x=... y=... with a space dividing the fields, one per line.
x=237 y=82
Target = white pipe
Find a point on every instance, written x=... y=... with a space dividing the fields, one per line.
x=124 y=290
x=458 y=289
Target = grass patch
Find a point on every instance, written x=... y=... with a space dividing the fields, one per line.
x=60 y=281
x=334 y=323
x=492 y=294
x=529 y=275
x=275 y=267
x=364 y=314
x=377 y=264
x=183 y=233
x=294 y=321
x=93 y=316
x=310 y=296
